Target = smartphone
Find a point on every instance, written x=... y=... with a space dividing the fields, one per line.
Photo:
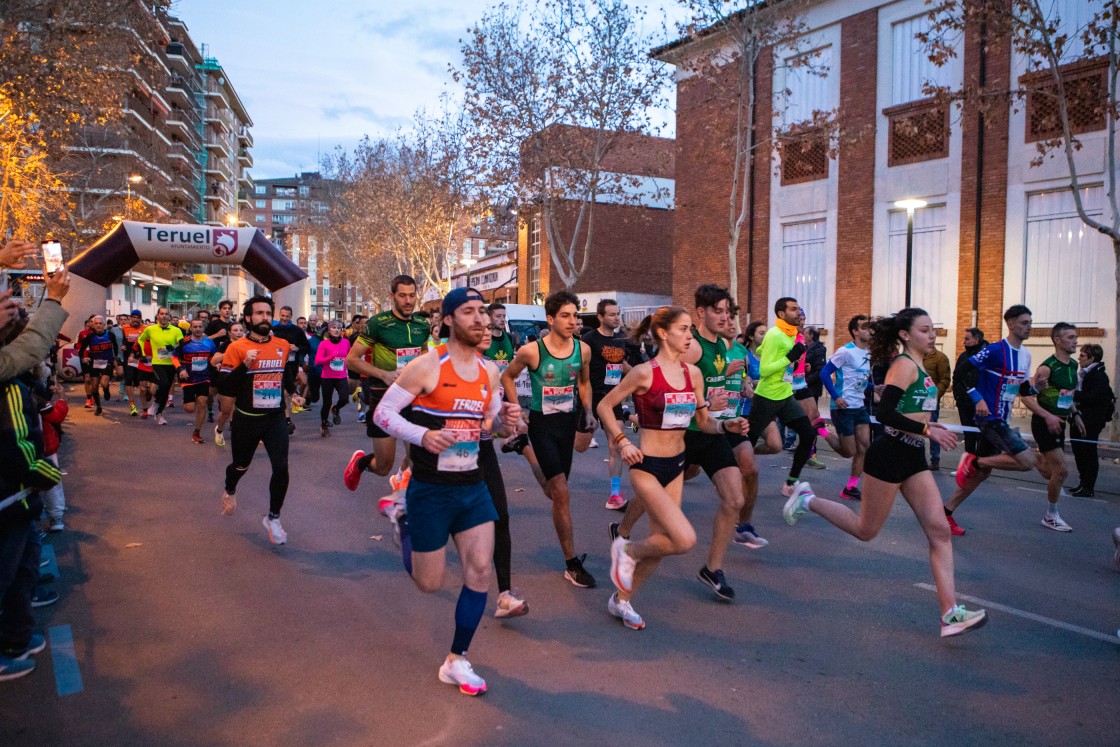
x=52 y=257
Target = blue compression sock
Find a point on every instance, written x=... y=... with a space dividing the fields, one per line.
x=616 y=486
x=468 y=614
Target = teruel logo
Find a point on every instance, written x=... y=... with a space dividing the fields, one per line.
x=225 y=241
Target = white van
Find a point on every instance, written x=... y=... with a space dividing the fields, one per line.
x=524 y=321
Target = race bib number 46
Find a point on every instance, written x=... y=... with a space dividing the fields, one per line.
x=461 y=456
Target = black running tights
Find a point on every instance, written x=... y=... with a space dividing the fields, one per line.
x=246 y=431
x=503 y=545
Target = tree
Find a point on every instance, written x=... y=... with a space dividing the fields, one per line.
x=398 y=203
x=1063 y=102
x=554 y=88
x=30 y=192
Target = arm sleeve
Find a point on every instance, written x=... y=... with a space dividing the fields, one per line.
x=889 y=415
x=389 y=419
x=826 y=379
x=34 y=343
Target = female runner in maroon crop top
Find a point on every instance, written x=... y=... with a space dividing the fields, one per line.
x=668 y=395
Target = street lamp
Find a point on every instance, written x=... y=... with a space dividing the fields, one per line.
x=909 y=205
x=469 y=262
x=132 y=179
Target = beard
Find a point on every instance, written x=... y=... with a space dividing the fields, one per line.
x=262 y=329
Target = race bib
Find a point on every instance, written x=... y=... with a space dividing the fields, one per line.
x=266 y=395
x=404 y=355
x=134 y=363
x=556 y=399
x=680 y=407
x=502 y=366
x=798 y=381
x=338 y=364
x=163 y=355
x=614 y=374
x=929 y=404
x=198 y=365
x=524 y=384
x=461 y=456
x=1010 y=390
x=787 y=377
x=1065 y=399
x=291 y=356
x=100 y=363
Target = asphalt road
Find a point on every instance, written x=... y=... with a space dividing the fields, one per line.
x=190 y=629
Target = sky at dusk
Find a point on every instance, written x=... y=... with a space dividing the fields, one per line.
x=315 y=75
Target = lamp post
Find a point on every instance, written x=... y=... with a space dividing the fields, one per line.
x=910 y=205
x=469 y=262
x=132 y=179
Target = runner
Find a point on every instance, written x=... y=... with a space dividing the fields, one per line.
x=217 y=329
x=609 y=363
x=299 y=348
x=780 y=354
x=501 y=351
x=1055 y=381
x=255 y=372
x=146 y=376
x=896 y=461
x=353 y=378
x=331 y=355
x=558 y=366
x=98 y=351
x=1003 y=374
x=87 y=374
x=193 y=354
x=740 y=386
x=668 y=399
x=509 y=604
x=450 y=393
x=130 y=358
x=164 y=337
x=225 y=403
x=851 y=365
x=395 y=337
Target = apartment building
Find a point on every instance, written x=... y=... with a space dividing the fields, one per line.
x=486 y=255
x=824 y=225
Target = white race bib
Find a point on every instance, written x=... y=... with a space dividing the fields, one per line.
x=404 y=355
x=614 y=374
x=291 y=356
x=461 y=456
x=163 y=355
x=555 y=399
x=266 y=395
x=680 y=407
x=524 y=384
x=100 y=363
x=338 y=364
x=198 y=365
x=1010 y=390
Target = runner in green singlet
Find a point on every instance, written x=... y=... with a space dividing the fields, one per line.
x=1055 y=380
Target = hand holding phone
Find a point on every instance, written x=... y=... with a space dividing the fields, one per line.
x=52 y=257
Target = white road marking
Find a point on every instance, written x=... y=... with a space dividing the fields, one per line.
x=1031 y=616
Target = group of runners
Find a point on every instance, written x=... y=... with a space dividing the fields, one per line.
x=701 y=400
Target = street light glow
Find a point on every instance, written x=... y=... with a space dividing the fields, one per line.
x=910 y=205
x=135 y=178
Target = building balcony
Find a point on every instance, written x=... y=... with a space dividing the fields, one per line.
x=245 y=137
x=140 y=109
x=245 y=158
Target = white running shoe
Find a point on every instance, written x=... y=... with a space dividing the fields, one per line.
x=959 y=620
x=458 y=671
x=749 y=537
x=219 y=439
x=511 y=605
x=276 y=533
x=594 y=444
x=229 y=503
x=1055 y=522
x=161 y=420
x=623 y=611
x=622 y=566
x=798 y=503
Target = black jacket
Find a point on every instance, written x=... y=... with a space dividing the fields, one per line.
x=1094 y=398
x=21 y=453
x=965 y=375
x=815 y=358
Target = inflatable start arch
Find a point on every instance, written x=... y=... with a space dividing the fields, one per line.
x=118 y=251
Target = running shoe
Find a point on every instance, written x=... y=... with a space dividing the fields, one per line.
x=296 y=409
x=458 y=671
x=44 y=578
x=612 y=530
x=959 y=620
x=351 y=476
x=746 y=535
x=955 y=529
x=622 y=566
x=144 y=415
x=210 y=416
x=43 y=597
x=1116 y=544
x=511 y=605
x=196 y=437
x=89 y=403
x=132 y=411
x=34 y=646
x=219 y=439
x=152 y=410
x=336 y=417
x=160 y=420
x=105 y=391
x=171 y=401
x=515 y=444
x=716 y=580
x=789 y=487
x=851 y=494
x=399 y=481
x=966 y=468
x=798 y=503
x=594 y=444
x=1055 y=522
x=57 y=525
x=935 y=464
x=399 y=519
x=1080 y=492
x=276 y=533
x=578 y=575
x=324 y=431
x=623 y=611
x=362 y=418
x=229 y=503
x=10 y=669
x=97 y=411
x=616 y=503
x=291 y=428
x=816 y=463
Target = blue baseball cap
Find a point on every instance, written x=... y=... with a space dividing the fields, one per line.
x=457 y=298
x=136 y=312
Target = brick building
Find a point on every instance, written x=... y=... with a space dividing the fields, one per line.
x=487 y=253
x=823 y=226
x=628 y=235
